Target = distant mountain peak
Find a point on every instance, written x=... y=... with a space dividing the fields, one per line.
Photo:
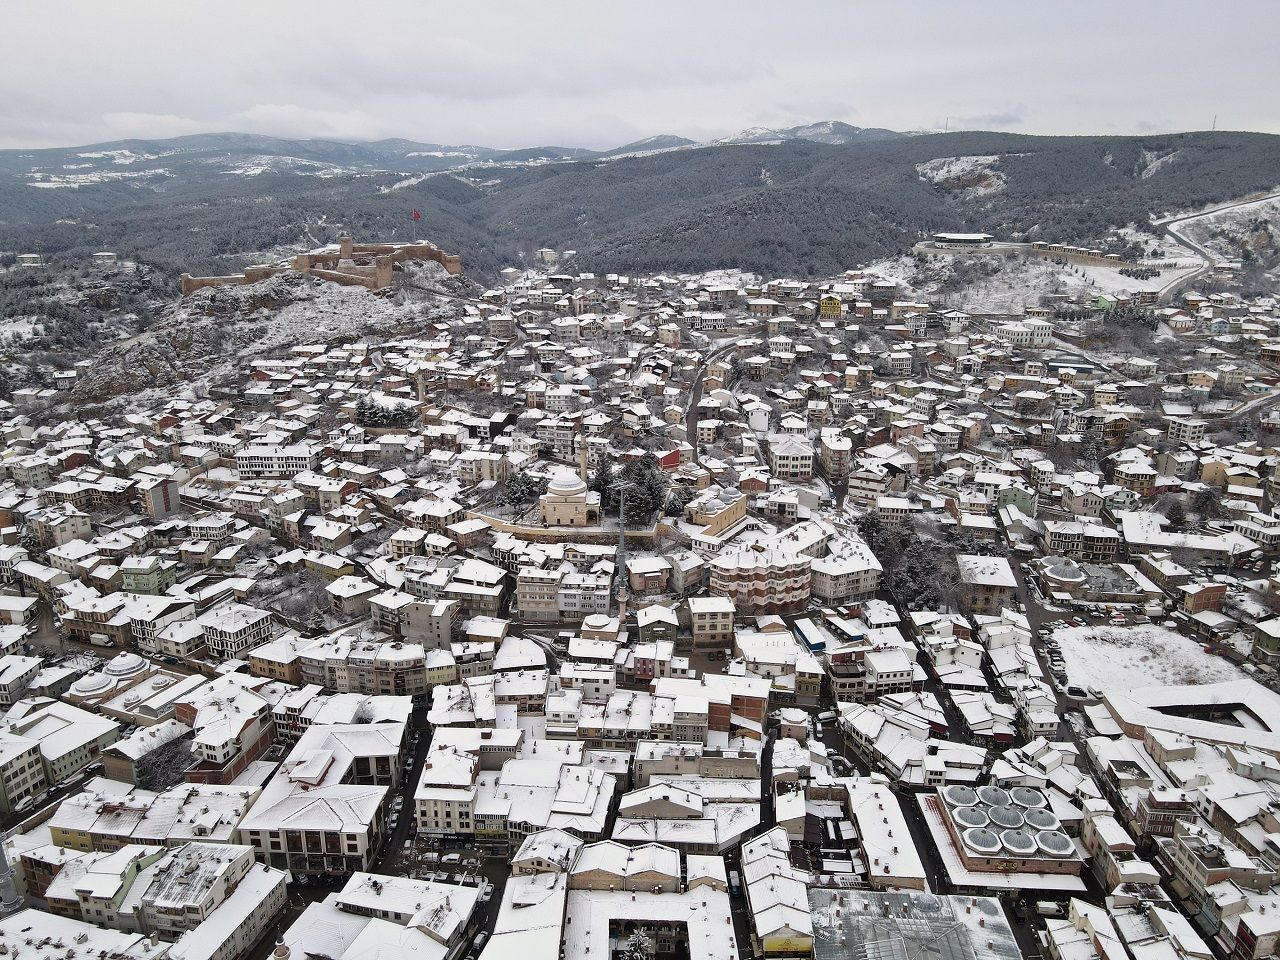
x=833 y=132
x=654 y=144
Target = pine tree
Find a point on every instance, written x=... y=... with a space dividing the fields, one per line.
x=638 y=947
x=601 y=482
x=523 y=488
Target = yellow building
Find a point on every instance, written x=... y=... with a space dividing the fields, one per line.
x=568 y=503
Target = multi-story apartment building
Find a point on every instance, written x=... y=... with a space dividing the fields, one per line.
x=790 y=457
x=70 y=738
x=538 y=594
x=711 y=619
x=988 y=583
x=212 y=527
x=22 y=773
x=323 y=811
x=835 y=453
x=851 y=572
x=430 y=622
x=147 y=575
x=583 y=595
x=16 y=673
x=771 y=580
x=445 y=797
x=269 y=460
x=232 y=630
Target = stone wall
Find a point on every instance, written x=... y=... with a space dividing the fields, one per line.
x=339 y=267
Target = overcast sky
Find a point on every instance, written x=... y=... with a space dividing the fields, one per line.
x=597 y=73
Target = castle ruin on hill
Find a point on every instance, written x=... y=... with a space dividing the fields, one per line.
x=366 y=265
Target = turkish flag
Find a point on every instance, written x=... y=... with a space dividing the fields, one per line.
x=416 y=214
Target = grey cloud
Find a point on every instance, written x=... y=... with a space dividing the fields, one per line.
x=1012 y=117
x=596 y=72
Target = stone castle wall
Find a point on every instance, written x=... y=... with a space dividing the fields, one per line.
x=368 y=265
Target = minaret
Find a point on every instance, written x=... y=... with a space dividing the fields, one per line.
x=582 y=460
x=10 y=902
x=621 y=558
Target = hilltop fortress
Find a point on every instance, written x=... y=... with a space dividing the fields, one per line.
x=367 y=265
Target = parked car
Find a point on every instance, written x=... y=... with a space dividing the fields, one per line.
x=735 y=883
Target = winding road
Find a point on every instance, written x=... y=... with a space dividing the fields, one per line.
x=1170 y=227
x=695 y=391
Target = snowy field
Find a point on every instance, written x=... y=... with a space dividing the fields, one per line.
x=1119 y=658
x=1020 y=281
x=1221 y=231
x=970 y=177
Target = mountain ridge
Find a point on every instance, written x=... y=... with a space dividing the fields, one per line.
x=398 y=154
x=797 y=207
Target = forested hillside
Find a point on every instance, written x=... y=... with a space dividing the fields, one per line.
x=796 y=207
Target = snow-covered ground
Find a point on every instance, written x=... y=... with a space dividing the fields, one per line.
x=205 y=337
x=1158 y=246
x=974 y=176
x=19 y=326
x=401 y=184
x=257 y=165
x=1222 y=231
x=1153 y=161
x=1020 y=280
x=1120 y=658
x=122 y=156
x=50 y=181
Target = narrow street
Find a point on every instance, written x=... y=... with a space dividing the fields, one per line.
x=695 y=393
